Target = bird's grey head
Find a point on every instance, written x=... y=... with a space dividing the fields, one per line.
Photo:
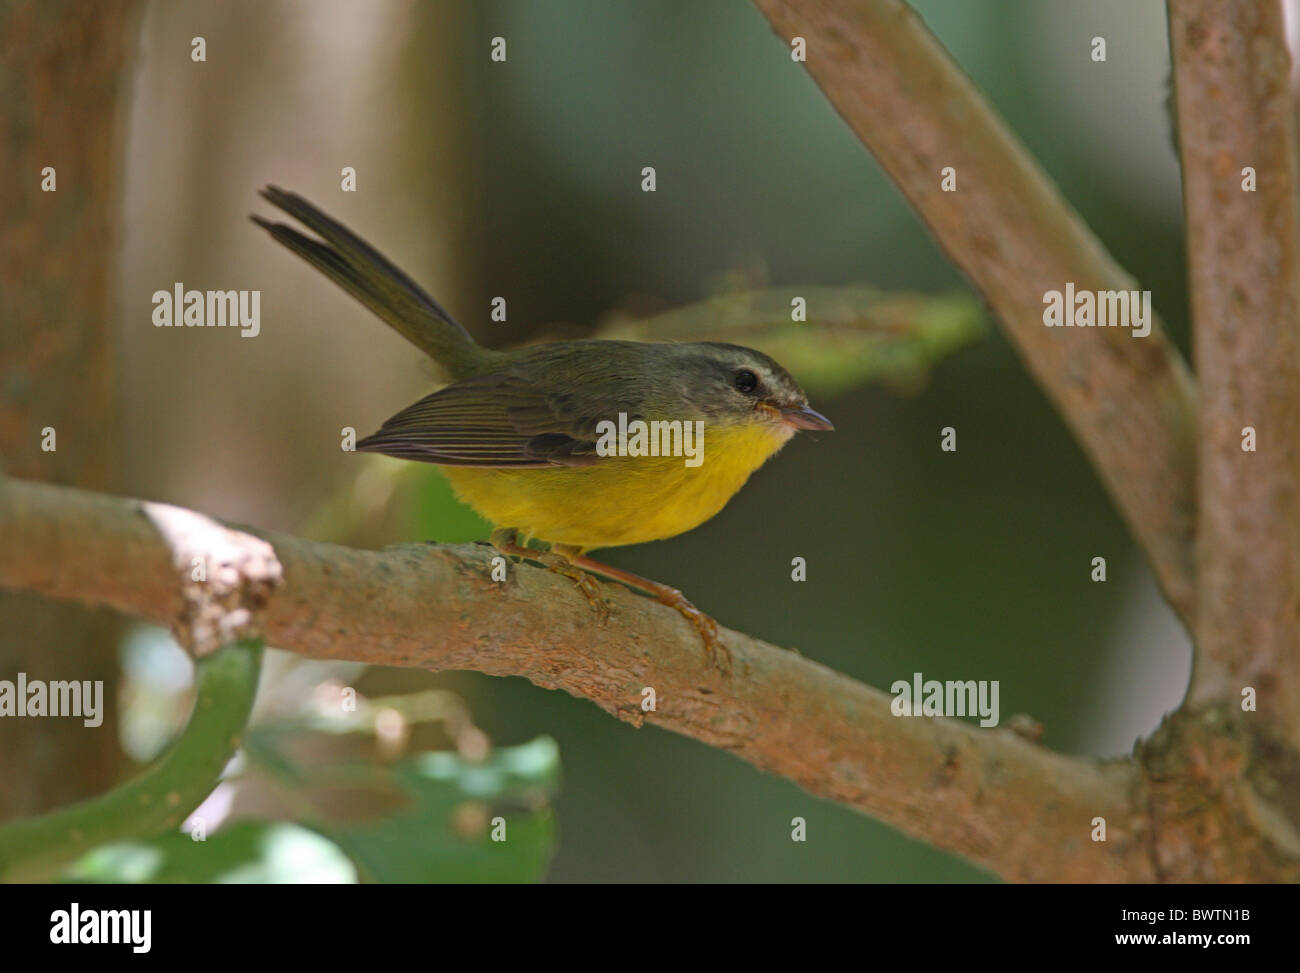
x=731 y=383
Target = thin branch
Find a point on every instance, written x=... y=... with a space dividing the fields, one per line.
x=1006 y=803
x=856 y=334
x=1130 y=401
x=32 y=849
x=1235 y=110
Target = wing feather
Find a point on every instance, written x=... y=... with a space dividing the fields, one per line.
x=496 y=420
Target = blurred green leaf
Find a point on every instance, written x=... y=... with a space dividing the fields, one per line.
x=397 y=499
x=157 y=799
x=460 y=821
x=248 y=852
x=852 y=335
x=445 y=834
x=435 y=512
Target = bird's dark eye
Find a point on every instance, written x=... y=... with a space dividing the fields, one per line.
x=745 y=381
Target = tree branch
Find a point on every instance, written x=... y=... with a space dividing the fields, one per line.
x=64 y=92
x=1006 y=803
x=1130 y=402
x=1235 y=109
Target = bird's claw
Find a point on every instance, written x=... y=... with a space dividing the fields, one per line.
x=715 y=650
x=589 y=586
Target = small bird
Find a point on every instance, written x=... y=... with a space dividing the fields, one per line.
x=536 y=439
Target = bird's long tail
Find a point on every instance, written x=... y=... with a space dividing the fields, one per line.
x=371 y=278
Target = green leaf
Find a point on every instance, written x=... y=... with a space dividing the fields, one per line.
x=248 y=852
x=443 y=832
x=455 y=807
x=160 y=797
x=852 y=335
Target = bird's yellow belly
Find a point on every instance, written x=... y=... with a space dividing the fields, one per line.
x=621 y=499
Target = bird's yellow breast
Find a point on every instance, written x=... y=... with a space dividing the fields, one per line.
x=620 y=499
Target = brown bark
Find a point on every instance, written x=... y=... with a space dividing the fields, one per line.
x=998 y=799
x=61 y=105
x=1235 y=110
x=1220 y=789
x=1129 y=401
x=1232 y=74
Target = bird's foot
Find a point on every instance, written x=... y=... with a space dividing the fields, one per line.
x=716 y=652
x=587 y=584
x=506 y=540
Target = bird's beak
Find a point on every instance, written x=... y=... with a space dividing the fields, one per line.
x=806 y=418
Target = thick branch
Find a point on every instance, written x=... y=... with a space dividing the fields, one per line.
x=1235 y=110
x=63 y=99
x=1130 y=401
x=1002 y=801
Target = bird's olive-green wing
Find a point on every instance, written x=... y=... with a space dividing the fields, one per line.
x=504 y=420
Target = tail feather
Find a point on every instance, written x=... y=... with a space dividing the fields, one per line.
x=371 y=278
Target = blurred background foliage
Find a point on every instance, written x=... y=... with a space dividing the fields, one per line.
x=522 y=179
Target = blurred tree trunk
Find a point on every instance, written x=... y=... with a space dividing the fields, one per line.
x=62 y=96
